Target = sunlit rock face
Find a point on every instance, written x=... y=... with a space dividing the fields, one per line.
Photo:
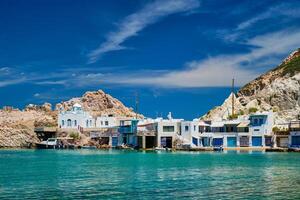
x=98 y=103
x=277 y=90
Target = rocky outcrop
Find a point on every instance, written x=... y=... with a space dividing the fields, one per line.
x=225 y=110
x=98 y=103
x=17 y=127
x=277 y=90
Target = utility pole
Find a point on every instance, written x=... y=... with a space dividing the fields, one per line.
x=232 y=92
x=136 y=104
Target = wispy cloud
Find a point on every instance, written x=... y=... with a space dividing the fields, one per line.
x=264 y=53
x=281 y=10
x=217 y=71
x=134 y=23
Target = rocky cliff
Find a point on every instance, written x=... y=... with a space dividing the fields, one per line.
x=277 y=90
x=98 y=103
x=17 y=127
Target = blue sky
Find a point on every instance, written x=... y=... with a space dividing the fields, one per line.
x=179 y=55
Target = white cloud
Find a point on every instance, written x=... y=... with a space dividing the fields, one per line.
x=136 y=22
x=4 y=83
x=218 y=71
x=282 y=10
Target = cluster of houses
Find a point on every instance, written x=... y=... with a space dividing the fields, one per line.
x=255 y=130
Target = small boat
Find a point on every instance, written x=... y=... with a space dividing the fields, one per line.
x=88 y=147
x=220 y=148
x=50 y=143
x=162 y=149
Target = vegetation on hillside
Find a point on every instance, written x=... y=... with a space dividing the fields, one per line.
x=252 y=110
x=291 y=67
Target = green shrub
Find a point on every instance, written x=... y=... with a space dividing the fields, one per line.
x=291 y=67
x=275 y=129
x=241 y=112
x=75 y=136
x=252 y=110
x=234 y=116
x=275 y=109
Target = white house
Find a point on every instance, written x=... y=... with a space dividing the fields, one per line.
x=260 y=127
x=253 y=131
x=75 y=118
x=168 y=130
x=192 y=131
x=106 y=121
x=294 y=137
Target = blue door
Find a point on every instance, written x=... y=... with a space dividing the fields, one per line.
x=195 y=141
x=217 y=142
x=296 y=141
x=231 y=141
x=114 y=142
x=256 y=141
x=205 y=141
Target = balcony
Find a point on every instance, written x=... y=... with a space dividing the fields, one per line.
x=127 y=129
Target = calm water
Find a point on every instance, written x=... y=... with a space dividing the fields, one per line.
x=94 y=174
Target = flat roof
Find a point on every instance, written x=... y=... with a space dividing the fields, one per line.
x=217 y=124
x=243 y=124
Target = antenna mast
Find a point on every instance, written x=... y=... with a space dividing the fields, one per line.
x=232 y=101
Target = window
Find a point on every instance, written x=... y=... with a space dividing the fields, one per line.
x=200 y=129
x=194 y=128
x=106 y=123
x=186 y=128
x=90 y=122
x=69 y=123
x=255 y=122
x=75 y=122
x=87 y=123
x=168 y=128
x=261 y=121
x=63 y=122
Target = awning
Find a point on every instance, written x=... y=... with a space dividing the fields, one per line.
x=243 y=124
x=202 y=123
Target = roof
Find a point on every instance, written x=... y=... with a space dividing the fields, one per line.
x=77 y=105
x=233 y=122
x=217 y=124
x=202 y=123
x=243 y=124
x=295 y=125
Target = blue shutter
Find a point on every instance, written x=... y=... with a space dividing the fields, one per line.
x=256 y=141
x=195 y=141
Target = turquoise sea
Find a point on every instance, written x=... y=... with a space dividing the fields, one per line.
x=116 y=174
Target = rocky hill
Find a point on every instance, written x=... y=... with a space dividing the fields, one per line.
x=277 y=90
x=17 y=126
x=98 y=103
